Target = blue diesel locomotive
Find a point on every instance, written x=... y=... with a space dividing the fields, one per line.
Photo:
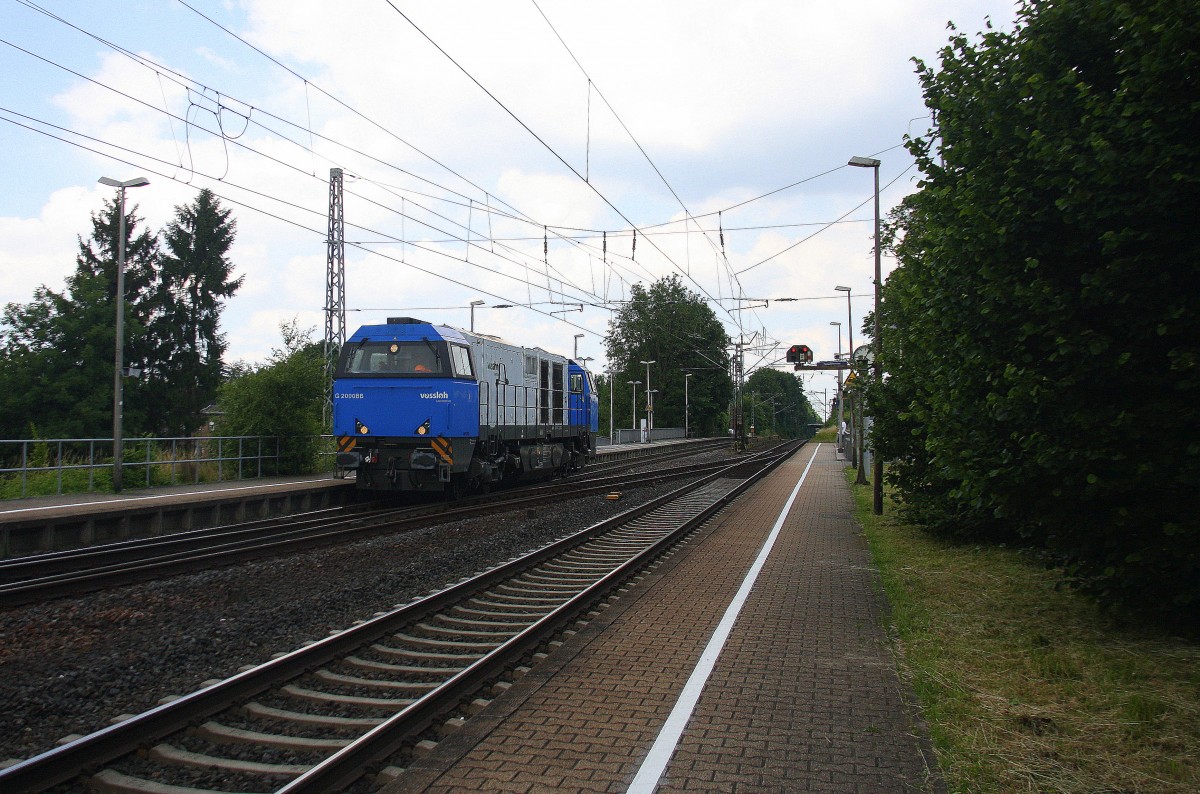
x=423 y=407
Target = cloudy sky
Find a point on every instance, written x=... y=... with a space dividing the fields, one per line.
x=501 y=151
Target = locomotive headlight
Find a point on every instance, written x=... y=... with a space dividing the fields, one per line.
x=361 y=428
x=423 y=430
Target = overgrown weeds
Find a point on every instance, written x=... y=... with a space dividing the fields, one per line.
x=1027 y=686
x=80 y=467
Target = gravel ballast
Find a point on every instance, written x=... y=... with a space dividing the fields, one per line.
x=70 y=666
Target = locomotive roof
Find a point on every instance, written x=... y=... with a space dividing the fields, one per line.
x=395 y=323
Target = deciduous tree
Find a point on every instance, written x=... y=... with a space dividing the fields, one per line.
x=1042 y=335
x=789 y=413
x=674 y=327
x=282 y=398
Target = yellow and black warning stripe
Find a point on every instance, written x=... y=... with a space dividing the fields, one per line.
x=444 y=449
x=346 y=443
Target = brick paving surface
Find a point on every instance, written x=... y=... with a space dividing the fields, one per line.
x=804 y=696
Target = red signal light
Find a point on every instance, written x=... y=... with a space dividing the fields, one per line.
x=799 y=354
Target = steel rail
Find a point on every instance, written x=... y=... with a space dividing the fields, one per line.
x=347 y=765
x=37 y=566
x=162 y=557
x=91 y=752
x=650 y=454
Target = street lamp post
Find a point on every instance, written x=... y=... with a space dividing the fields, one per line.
x=850 y=358
x=611 y=439
x=840 y=441
x=876 y=460
x=577 y=338
x=687 y=406
x=473 y=305
x=118 y=360
x=633 y=402
x=649 y=407
x=849 y=322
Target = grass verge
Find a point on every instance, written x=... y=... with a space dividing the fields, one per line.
x=1026 y=685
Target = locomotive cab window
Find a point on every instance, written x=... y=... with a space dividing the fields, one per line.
x=576 y=383
x=460 y=358
x=423 y=358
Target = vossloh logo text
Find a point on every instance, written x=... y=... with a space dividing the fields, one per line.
x=435 y=395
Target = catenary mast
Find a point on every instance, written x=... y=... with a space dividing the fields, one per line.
x=335 y=288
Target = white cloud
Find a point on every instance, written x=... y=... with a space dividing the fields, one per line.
x=555 y=199
x=42 y=250
x=729 y=100
x=215 y=59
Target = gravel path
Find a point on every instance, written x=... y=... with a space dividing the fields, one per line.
x=72 y=665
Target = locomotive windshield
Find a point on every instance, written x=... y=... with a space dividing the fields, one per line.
x=390 y=358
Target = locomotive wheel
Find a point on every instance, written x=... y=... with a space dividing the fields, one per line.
x=476 y=484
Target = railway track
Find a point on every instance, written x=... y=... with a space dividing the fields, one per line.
x=316 y=719
x=29 y=579
x=658 y=454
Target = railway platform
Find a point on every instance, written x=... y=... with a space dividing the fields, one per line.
x=66 y=521
x=752 y=659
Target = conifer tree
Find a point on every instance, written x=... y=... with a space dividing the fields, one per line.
x=56 y=364
x=195 y=279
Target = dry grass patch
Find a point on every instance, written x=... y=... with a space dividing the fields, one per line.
x=1026 y=685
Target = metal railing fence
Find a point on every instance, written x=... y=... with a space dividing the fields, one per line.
x=37 y=467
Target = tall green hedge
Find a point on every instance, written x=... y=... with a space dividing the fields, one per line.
x=1042 y=330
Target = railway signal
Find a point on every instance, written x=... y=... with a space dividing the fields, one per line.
x=799 y=355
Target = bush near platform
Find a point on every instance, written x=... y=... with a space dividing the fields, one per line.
x=283 y=398
x=47 y=482
x=1042 y=332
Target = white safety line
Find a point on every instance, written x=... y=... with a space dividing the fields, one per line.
x=158 y=496
x=664 y=746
